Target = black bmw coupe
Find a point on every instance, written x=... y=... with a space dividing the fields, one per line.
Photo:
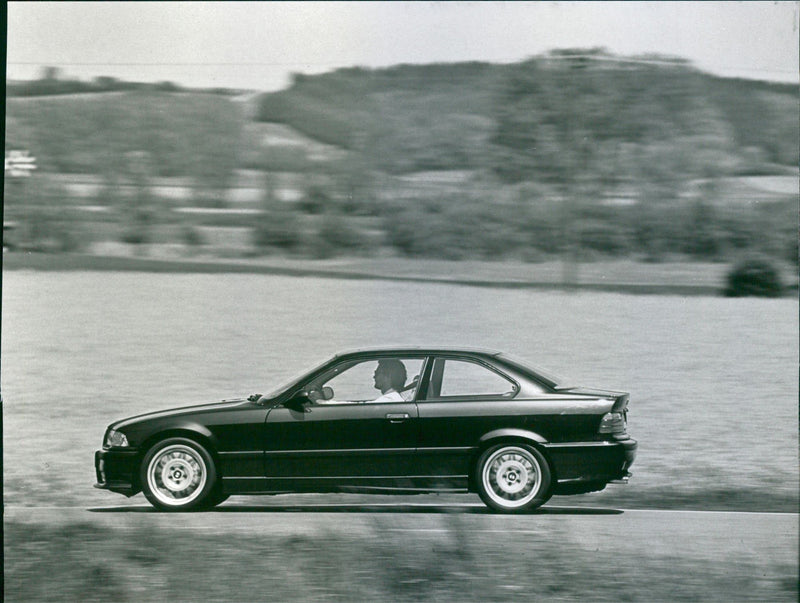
x=389 y=420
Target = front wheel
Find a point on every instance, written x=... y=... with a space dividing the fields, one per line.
x=513 y=478
x=217 y=497
x=178 y=474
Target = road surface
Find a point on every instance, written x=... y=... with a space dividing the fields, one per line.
x=681 y=533
x=644 y=554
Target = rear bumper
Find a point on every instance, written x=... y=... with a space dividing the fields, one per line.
x=116 y=470
x=588 y=466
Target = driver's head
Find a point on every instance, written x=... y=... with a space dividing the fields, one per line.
x=391 y=373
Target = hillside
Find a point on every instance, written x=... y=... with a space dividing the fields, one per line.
x=407 y=119
x=431 y=117
x=93 y=132
x=576 y=152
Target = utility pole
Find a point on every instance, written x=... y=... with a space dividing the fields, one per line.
x=575 y=138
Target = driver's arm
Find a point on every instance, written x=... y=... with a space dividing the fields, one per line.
x=315 y=396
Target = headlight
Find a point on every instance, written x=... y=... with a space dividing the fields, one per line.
x=115 y=439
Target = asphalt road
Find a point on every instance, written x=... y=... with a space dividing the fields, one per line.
x=565 y=553
x=703 y=534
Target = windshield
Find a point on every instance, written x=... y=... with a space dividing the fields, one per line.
x=276 y=391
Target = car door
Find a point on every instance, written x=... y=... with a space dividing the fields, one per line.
x=348 y=439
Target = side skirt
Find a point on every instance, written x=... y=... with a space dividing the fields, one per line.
x=376 y=485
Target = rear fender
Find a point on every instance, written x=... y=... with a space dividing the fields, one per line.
x=507 y=435
x=511 y=433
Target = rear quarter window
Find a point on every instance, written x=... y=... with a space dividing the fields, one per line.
x=463 y=378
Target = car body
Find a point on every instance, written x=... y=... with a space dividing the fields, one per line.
x=463 y=420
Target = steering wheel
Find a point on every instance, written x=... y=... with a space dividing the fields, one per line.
x=314 y=394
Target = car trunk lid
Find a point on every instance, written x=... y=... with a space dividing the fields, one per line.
x=620 y=398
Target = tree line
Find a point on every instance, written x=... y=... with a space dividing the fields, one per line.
x=549 y=147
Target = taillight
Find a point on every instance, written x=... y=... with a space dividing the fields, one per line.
x=613 y=423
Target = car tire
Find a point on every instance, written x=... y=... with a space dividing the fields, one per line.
x=217 y=497
x=512 y=478
x=178 y=474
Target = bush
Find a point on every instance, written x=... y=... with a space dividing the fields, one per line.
x=191 y=236
x=336 y=234
x=456 y=227
x=315 y=201
x=279 y=229
x=701 y=233
x=50 y=234
x=137 y=224
x=754 y=277
x=603 y=236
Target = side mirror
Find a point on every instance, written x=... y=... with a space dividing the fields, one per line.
x=299 y=403
x=327 y=393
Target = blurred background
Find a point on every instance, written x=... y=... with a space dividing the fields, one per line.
x=577 y=152
x=572 y=155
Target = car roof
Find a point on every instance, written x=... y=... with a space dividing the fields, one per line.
x=418 y=350
x=519 y=365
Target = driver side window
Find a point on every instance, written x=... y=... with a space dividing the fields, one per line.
x=365 y=382
x=354 y=384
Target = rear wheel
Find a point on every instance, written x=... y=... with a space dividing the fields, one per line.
x=513 y=478
x=178 y=474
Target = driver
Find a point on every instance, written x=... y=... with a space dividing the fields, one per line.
x=390 y=377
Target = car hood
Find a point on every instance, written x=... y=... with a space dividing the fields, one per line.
x=177 y=412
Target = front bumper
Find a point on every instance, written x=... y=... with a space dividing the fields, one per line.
x=116 y=470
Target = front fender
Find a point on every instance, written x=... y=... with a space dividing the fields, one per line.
x=182 y=428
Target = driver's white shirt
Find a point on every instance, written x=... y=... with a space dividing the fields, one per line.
x=390 y=396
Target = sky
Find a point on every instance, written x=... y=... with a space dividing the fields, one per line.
x=257 y=45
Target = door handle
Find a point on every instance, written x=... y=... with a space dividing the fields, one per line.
x=397 y=417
